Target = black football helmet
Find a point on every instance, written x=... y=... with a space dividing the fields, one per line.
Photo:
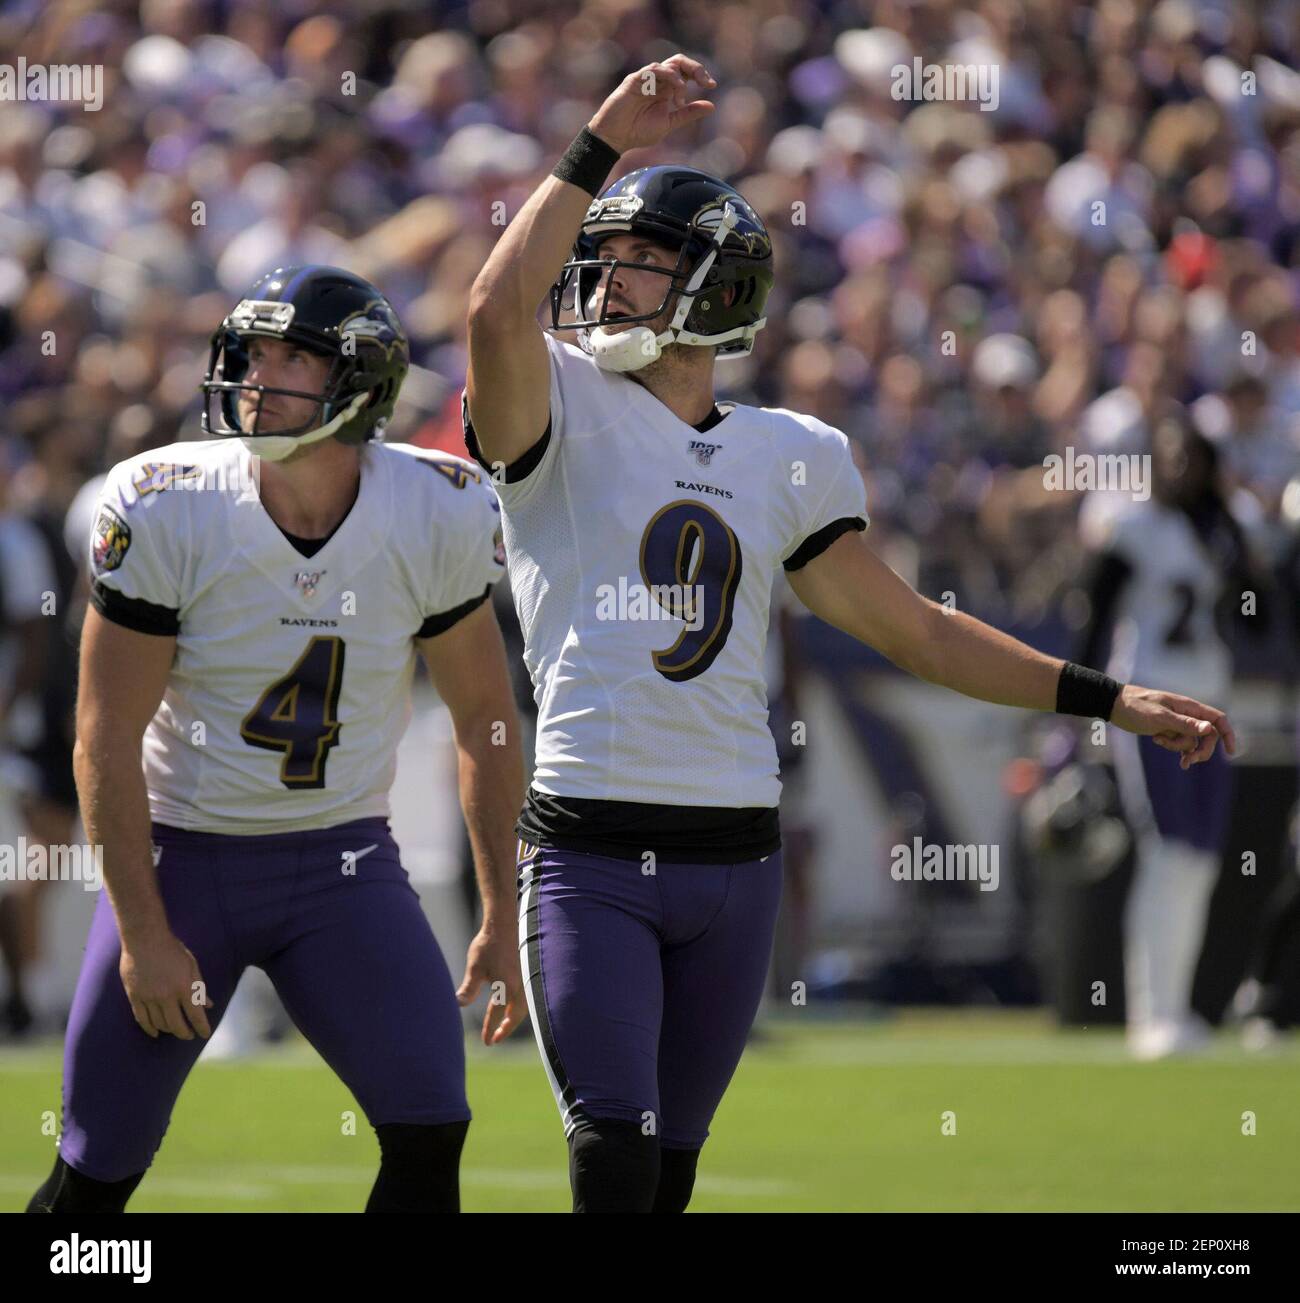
x=328 y=311
x=721 y=243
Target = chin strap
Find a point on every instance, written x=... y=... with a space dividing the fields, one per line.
x=276 y=447
x=630 y=350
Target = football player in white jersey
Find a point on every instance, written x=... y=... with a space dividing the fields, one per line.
x=1163 y=569
x=644 y=526
x=258 y=602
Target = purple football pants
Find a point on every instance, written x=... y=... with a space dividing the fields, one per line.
x=1188 y=805
x=643 y=987
x=330 y=916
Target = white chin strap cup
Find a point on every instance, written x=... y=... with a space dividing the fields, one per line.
x=630 y=350
x=626 y=350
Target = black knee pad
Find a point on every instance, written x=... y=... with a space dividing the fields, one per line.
x=676 y=1179
x=68 y=1191
x=419 y=1169
x=613 y=1167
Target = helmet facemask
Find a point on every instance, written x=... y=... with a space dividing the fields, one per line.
x=368 y=361
x=230 y=364
x=582 y=277
x=689 y=284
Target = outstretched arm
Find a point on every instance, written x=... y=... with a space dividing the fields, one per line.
x=850 y=587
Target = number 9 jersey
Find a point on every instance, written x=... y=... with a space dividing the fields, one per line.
x=642 y=555
x=290 y=687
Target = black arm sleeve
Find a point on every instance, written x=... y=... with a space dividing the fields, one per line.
x=817 y=543
x=1109 y=575
x=436 y=624
x=134 y=612
x=521 y=467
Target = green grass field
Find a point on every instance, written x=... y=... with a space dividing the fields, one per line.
x=820 y=1116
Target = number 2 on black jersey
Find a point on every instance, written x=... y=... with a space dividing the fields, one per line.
x=691 y=563
x=298 y=714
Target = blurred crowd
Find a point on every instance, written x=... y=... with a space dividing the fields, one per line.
x=949 y=291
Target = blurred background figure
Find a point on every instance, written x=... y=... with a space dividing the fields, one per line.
x=35 y=761
x=1170 y=568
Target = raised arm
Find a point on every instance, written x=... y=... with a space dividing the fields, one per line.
x=508 y=383
x=850 y=587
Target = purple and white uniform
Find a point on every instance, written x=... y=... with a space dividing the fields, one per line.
x=268 y=766
x=1165 y=636
x=1160 y=579
x=642 y=556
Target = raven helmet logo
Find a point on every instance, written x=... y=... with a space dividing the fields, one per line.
x=378 y=322
x=714 y=215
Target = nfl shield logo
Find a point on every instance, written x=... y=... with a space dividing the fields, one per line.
x=703 y=451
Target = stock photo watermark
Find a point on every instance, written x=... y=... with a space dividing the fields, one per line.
x=1110 y=472
x=977 y=83
x=53 y=83
x=25 y=861
x=953 y=862
x=628 y=601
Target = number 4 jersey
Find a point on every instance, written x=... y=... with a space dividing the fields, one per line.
x=291 y=684
x=642 y=556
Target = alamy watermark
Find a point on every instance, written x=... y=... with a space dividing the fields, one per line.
x=955 y=862
x=1123 y=472
x=37 y=862
x=225 y=476
x=54 y=83
x=651 y=602
x=92 y=1257
x=918 y=80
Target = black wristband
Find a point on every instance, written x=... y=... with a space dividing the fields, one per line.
x=586 y=162
x=1081 y=691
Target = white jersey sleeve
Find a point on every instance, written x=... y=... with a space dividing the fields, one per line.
x=137 y=546
x=572 y=376
x=830 y=496
x=81 y=517
x=469 y=554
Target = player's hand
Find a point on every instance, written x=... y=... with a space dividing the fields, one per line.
x=1178 y=724
x=163 y=982
x=653 y=102
x=494 y=958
